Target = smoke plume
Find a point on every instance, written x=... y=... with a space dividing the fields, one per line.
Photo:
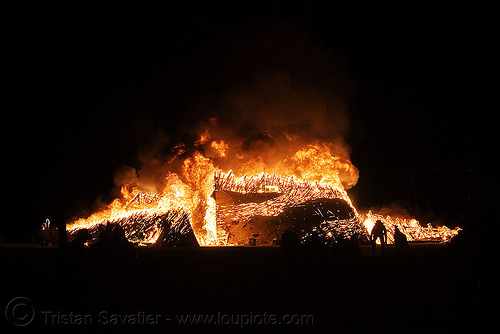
x=282 y=90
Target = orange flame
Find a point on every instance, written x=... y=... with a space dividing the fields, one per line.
x=220 y=148
x=311 y=172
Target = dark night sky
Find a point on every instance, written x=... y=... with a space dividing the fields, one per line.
x=77 y=77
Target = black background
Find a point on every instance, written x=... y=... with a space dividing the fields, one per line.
x=75 y=77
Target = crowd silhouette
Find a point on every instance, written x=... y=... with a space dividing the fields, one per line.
x=112 y=249
x=97 y=267
x=344 y=246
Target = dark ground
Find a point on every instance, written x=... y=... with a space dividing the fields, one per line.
x=428 y=290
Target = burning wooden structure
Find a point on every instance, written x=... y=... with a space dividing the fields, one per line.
x=207 y=206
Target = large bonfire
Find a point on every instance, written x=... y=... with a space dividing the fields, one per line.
x=220 y=206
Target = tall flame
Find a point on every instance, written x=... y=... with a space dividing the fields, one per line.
x=311 y=172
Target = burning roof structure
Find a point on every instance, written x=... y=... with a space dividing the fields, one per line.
x=262 y=206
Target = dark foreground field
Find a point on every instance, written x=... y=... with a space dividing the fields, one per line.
x=252 y=288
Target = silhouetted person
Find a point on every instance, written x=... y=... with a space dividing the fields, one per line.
x=123 y=251
x=400 y=241
x=76 y=247
x=315 y=247
x=54 y=235
x=82 y=236
x=340 y=245
x=104 y=240
x=62 y=235
x=73 y=259
x=378 y=232
x=73 y=269
x=290 y=244
x=354 y=244
x=102 y=265
x=100 y=252
x=109 y=228
x=123 y=268
x=49 y=234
